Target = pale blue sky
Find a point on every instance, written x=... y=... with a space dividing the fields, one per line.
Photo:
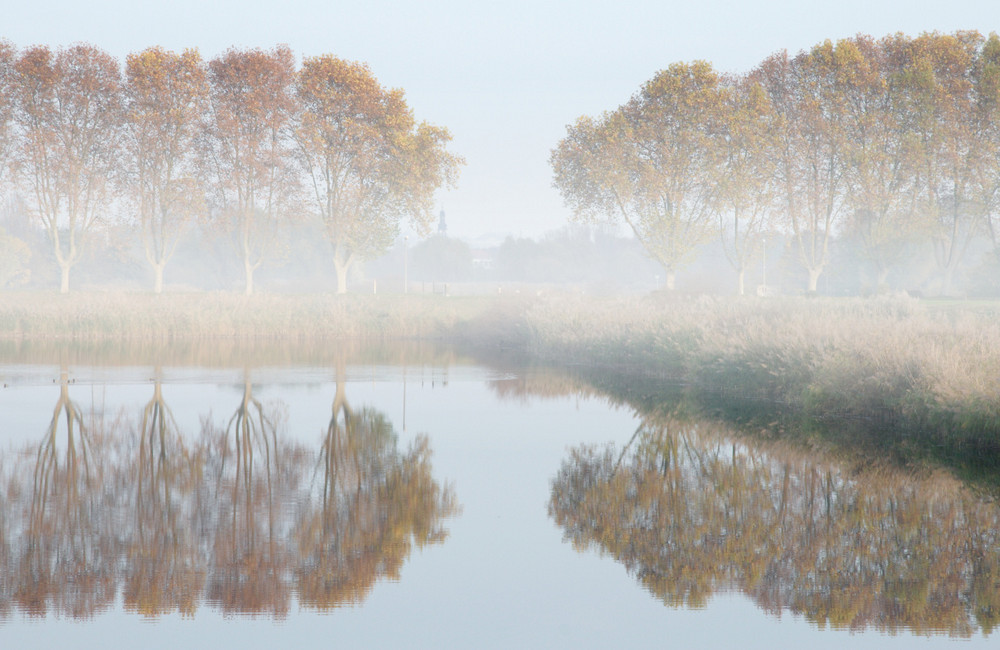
x=505 y=77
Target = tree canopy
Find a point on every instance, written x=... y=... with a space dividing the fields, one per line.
x=884 y=141
x=368 y=164
x=649 y=164
x=67 y=109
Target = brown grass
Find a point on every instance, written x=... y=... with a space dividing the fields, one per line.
x=932 y=367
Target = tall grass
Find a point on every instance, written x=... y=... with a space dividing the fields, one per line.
x=140 y=316
x=929 y=371
x=925 y=371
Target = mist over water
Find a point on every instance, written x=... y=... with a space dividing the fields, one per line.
x=747 y=395
x=409 y=483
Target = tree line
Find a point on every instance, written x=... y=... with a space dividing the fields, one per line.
x=886 y=142
x=243 y=145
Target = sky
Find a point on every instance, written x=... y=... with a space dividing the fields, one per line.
x=505 y=78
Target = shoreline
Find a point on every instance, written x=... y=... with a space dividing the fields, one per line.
x=924 y=376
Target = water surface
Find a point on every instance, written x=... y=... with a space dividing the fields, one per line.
x=411 y=496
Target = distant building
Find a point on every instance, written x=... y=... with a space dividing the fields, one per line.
x=442 y=226
x=483 y=259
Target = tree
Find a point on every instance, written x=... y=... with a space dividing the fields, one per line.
x=882 y=152
x=747 y=190
x=68 y=112
x=8 y=57
x=14 y=258
x=164 y=97
x=368 y=164
x=952 y=123
x=247 y=148
x=441 y=258
x=988 y=78
x=650 y=164
x=810 y=169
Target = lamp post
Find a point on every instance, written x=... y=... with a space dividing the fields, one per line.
x=406 y=266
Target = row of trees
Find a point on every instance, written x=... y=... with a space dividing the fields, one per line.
x=887 y=141
x=243 y=143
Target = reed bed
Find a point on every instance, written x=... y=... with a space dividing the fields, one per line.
x=219 y=315
x=925 y=370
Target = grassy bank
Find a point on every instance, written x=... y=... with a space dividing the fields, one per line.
x=924 y=373
x=914 y=375
x=219 y=315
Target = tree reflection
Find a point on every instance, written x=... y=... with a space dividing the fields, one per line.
x=689 y=510
x=375 y=504
x=163 y=572
x=67 y=540
x=228 y=516
x=248 y=573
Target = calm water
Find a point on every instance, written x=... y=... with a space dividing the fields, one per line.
x=408 y=496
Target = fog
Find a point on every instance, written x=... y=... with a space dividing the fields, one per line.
x=765 y=274
x=579 y=259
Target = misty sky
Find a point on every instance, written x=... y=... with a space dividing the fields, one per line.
x=505 y=77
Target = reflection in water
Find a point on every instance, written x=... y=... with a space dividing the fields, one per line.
x=238 y=517
x=689 y=510
x=162 y=572
x=374 y=502
x=64 y=532
x=250 y=563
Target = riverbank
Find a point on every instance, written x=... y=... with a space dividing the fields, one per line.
x=922 y=374
x=228 y=316
x=901 y=377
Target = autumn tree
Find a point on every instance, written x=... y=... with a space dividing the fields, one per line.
x=882 y=155
x=369 y=166
x=650 y=164
x=68 y=113
x=246 y=146
x=746 y=194
x=164 y=97
x=951 y=125
x=14 y=258
x=988 y=76
x=811 y=158
x=8 y=57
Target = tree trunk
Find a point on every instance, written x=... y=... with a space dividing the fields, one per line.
x=739 y=282
x=157 y=278
x=949 y=274
x=814 y=274
x=341 y=269
x=64 y=286
x=249 y=274
x=670 y=280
